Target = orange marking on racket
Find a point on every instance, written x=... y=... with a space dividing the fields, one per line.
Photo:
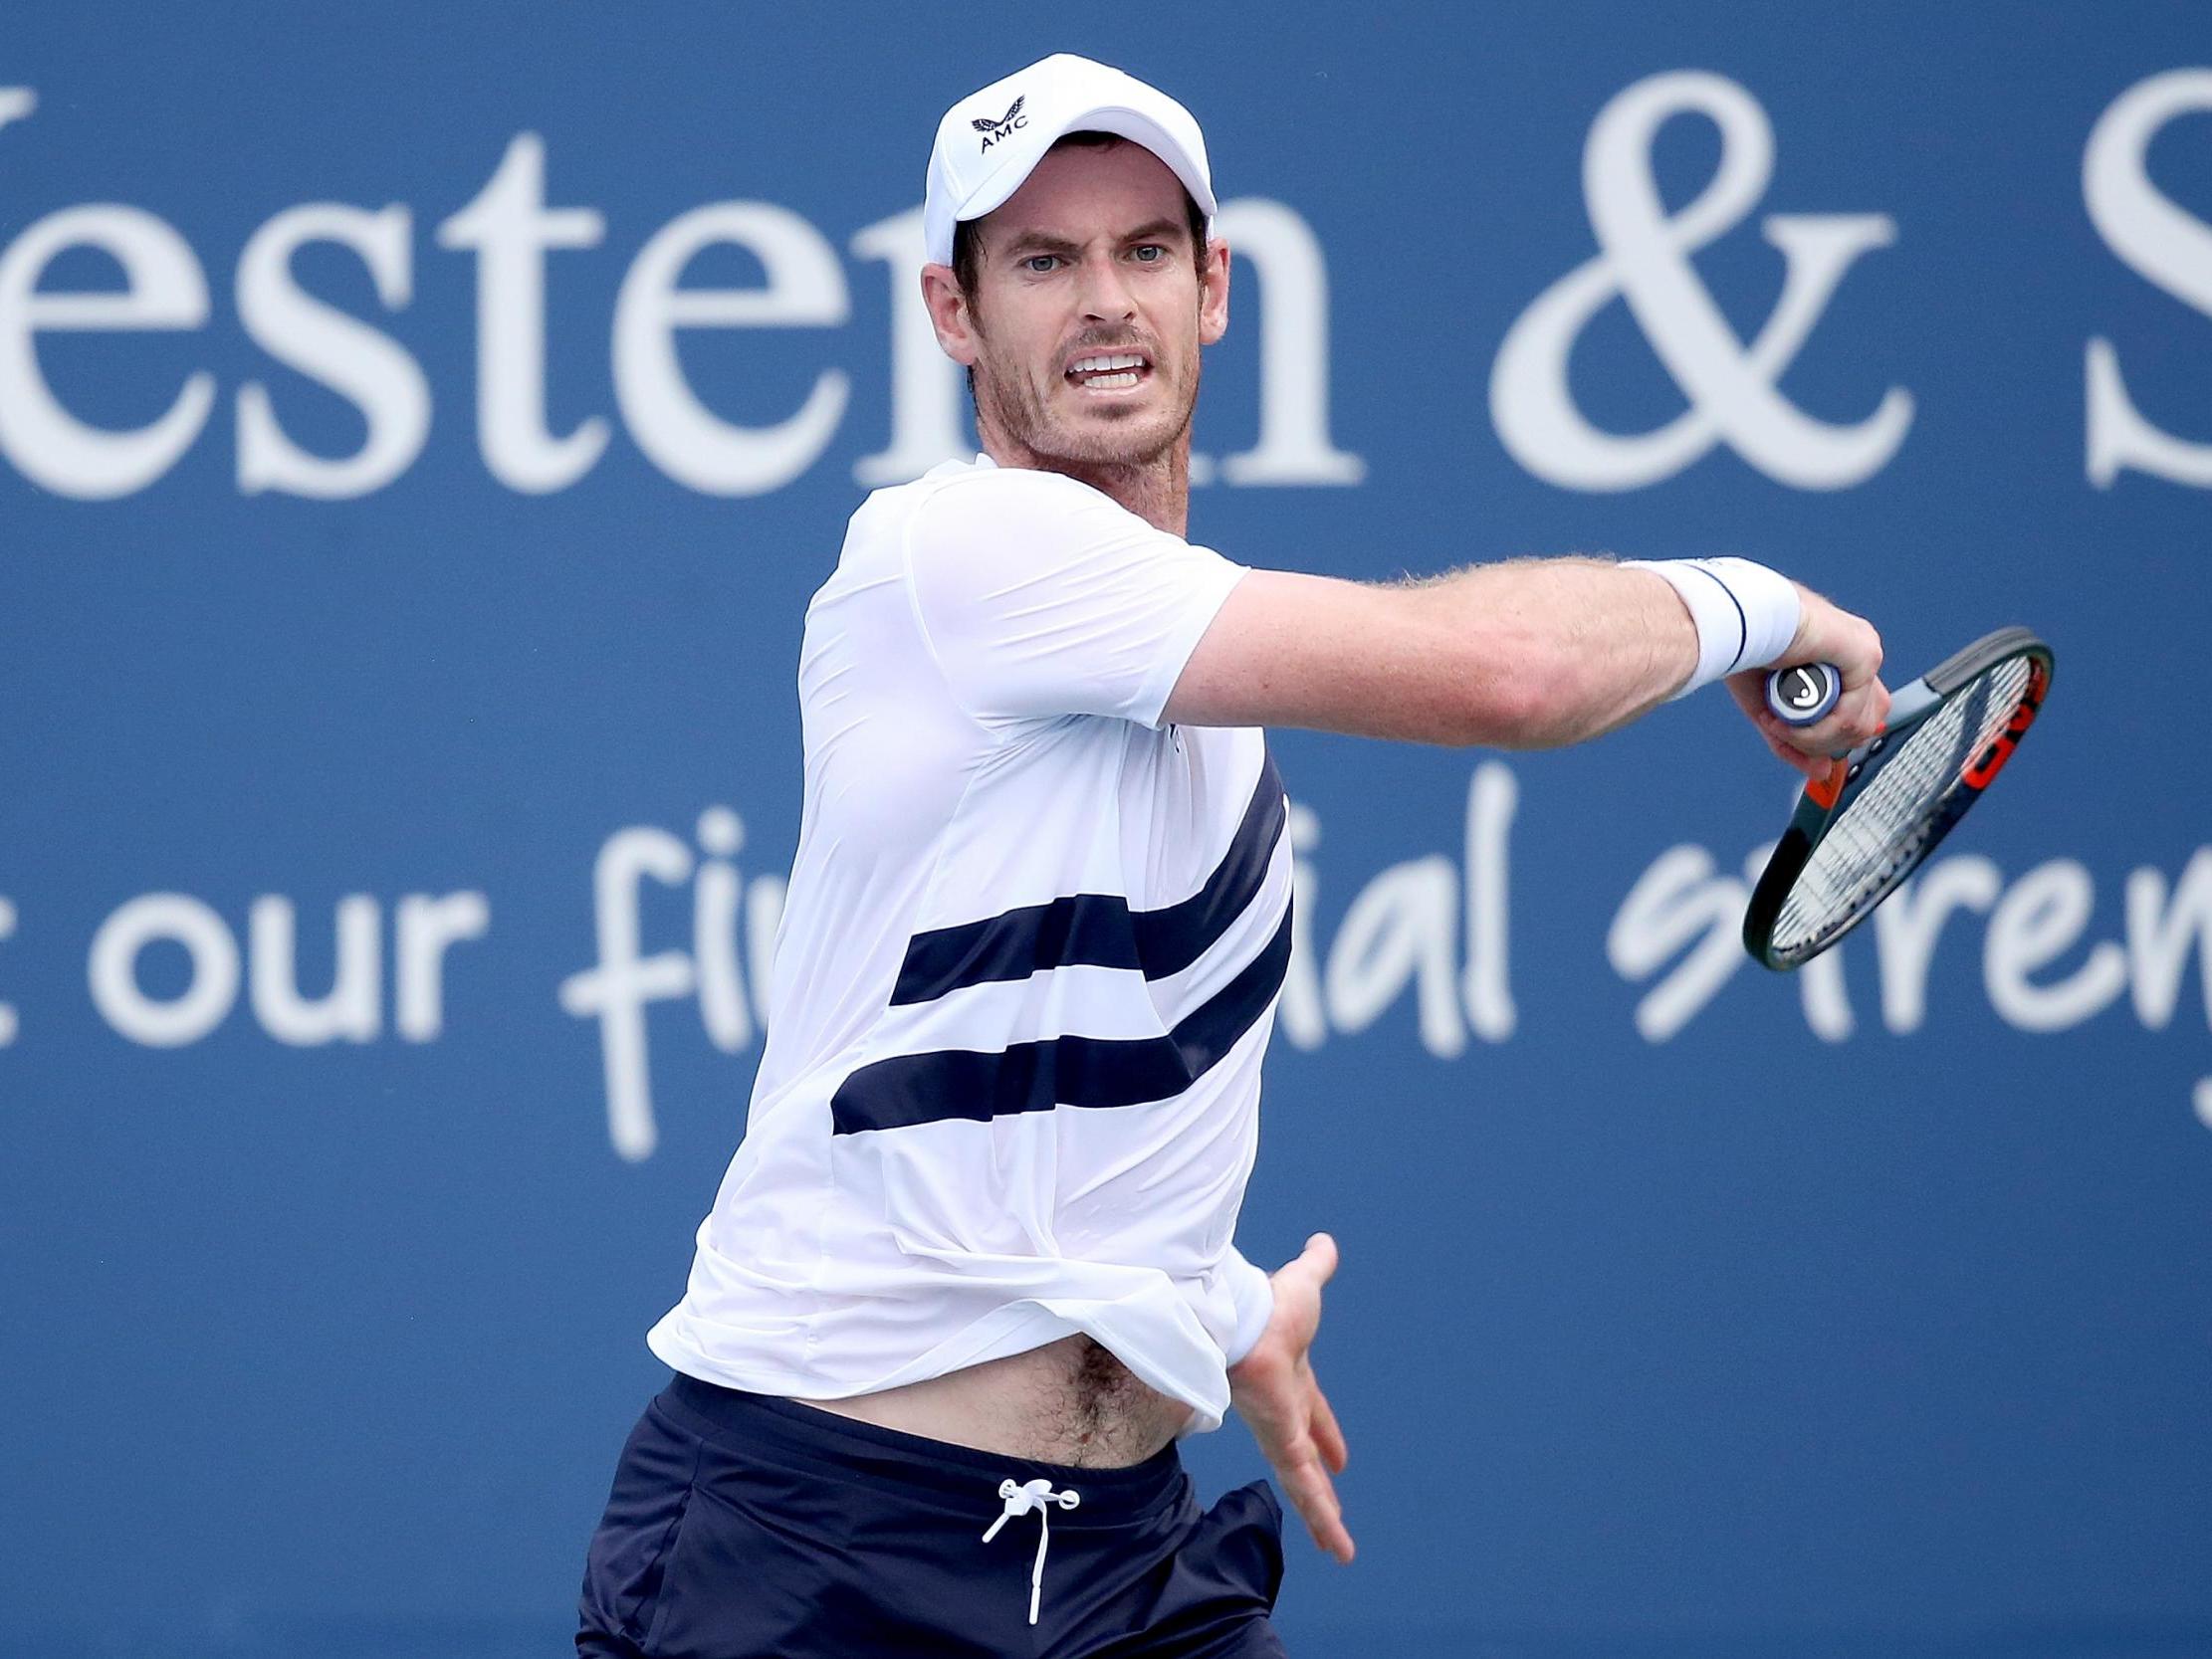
x=1993 y=762
x=1824 y=790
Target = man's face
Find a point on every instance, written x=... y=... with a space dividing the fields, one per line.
x=1087 y=266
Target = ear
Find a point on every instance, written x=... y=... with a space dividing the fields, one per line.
x=1214 y=293
x=949 y=313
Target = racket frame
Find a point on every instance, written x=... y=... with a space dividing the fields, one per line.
x=1827 y=798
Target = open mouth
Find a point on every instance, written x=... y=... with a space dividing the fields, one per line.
x=1110 y=371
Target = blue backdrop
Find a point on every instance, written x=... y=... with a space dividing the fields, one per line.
x=422 y=429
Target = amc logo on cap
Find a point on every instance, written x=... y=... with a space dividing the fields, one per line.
x=1005 y=127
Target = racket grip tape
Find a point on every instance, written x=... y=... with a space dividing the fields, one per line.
x=1803 y=693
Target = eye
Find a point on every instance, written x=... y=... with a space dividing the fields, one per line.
x=1150 y=253
x=1041 y=265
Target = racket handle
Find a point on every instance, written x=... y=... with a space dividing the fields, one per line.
x=1801 y=695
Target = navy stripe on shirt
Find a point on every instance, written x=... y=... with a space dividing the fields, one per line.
x=1099 y=930
x=914 y=1088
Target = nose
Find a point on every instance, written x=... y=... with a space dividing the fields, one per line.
x=1105 y=294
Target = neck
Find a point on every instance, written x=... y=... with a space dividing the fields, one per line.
x=1157 y=490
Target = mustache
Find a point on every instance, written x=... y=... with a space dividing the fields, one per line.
x=1104 y=339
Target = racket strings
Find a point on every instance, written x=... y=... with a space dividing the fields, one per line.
x=1883 y=831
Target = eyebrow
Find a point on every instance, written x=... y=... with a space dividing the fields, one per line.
x=1025 y=243
x=1160 y=230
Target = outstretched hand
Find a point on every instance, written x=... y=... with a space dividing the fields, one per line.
x=1274 y=1391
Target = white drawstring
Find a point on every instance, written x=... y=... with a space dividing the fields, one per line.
x=1020 y=1499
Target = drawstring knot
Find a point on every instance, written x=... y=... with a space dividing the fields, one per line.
x=1020 y=1499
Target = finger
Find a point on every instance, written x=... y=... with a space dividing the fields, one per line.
x=1859 y=716
x=1868 y=707
x=1321 y=1252
x=1314 y=1497
x=1332 y=1537
x=1328 y=1434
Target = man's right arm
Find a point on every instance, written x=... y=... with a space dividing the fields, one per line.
x=1530 y=654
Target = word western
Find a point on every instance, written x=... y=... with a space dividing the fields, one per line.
x=511 y=231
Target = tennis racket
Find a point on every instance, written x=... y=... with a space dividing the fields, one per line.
x=1882 y=808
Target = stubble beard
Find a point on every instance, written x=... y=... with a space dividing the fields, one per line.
x=1011 y=406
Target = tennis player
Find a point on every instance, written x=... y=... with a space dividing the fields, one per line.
x=970 y=1274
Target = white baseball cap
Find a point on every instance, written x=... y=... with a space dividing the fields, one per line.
x=990 y=141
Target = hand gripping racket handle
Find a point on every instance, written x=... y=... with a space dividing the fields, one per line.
x=1801 y=695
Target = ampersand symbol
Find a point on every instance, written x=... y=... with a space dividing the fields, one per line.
x=1645 y=258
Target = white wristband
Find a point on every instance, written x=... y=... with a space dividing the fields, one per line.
x=1746 y=614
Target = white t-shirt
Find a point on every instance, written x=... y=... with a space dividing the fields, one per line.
x=1026 y=970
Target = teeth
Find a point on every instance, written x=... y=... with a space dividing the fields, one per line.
x=1098 y=365
x=1112 y=382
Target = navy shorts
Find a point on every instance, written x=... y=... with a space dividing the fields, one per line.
x=745 y=1526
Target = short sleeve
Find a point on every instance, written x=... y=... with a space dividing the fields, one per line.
x=1041 y=596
